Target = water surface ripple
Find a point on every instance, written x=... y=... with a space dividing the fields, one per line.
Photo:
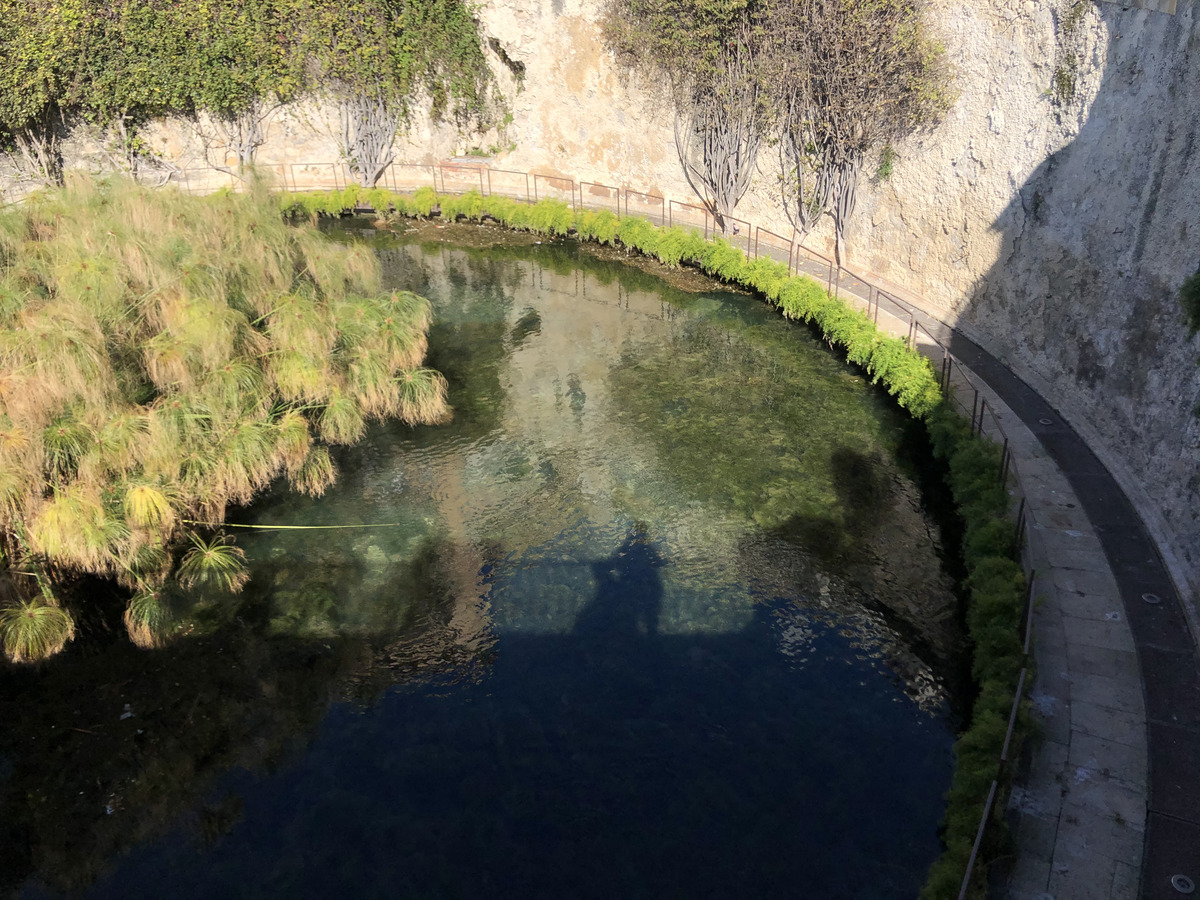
x=660 y=614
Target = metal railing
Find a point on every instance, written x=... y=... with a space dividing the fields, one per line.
x=463 y=175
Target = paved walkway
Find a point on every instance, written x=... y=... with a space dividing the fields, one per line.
x=1109 y=806
x=1103 y=696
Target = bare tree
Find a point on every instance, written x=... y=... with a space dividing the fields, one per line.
x=128 y=152
x=239 y=133
x=806 y=183
x=854 y=75
x=367 y=135
x=37 y=151
x=719 y=126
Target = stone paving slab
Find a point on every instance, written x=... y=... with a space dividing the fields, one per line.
x=1165 y=645
x=1086 y=662
x=1108 y=757
x=1114 y=693
x=1107 y=634
x=1079 y=812
x=1094 y=720
x=1086 y=584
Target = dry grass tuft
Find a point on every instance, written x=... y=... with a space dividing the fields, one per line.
x=163 y=357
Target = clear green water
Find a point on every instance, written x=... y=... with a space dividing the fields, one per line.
x=659 y=614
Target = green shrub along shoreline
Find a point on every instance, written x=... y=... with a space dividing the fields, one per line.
x=995 y=583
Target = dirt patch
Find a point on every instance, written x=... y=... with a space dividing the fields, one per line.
x=687 y=279
x=463 y=234
x=490 y=234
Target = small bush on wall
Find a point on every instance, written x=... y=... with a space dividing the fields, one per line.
x=1189 y=299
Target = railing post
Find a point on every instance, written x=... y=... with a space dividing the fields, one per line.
x=488 y=169
x=671 y=214
x=1028 y=604
x=1020 y=524
x=1004 y=464
x=663 y=205
x=756 y=231
x=1012 y=718
x=974 y=406
x=987 y=811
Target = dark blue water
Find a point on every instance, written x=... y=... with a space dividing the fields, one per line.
x=587 y=658
x=599 y=764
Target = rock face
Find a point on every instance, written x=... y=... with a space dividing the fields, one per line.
x=1096 y=244
x=1049 y=214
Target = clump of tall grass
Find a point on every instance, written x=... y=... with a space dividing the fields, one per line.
x=163 y=357
x=34 y=629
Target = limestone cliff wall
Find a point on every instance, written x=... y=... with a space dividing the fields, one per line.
x=1053 y=213
x=1048 y=215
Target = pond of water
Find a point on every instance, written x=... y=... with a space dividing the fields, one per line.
x=661 y=613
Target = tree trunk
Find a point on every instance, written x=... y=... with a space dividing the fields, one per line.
x=40 y=150
x=718 y=130
x=368 y=133
x=846 y=195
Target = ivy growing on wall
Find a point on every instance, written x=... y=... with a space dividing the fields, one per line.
x=37 y=43
x=828 y=82
x=228 y=64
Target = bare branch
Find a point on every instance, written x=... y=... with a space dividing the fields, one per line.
x=719 y=127
x=240 y=133
x=367 y=135
x=854 y=75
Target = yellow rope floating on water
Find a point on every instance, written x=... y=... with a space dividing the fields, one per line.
x=293 y=527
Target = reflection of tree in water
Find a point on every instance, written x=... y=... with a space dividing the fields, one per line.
x=629 y=591
x=576 y=394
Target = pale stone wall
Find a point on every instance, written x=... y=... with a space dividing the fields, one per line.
x=1055 y=232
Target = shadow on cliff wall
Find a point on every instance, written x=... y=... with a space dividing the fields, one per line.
x=1095 y=245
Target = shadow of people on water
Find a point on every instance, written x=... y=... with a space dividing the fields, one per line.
x=629 y=591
